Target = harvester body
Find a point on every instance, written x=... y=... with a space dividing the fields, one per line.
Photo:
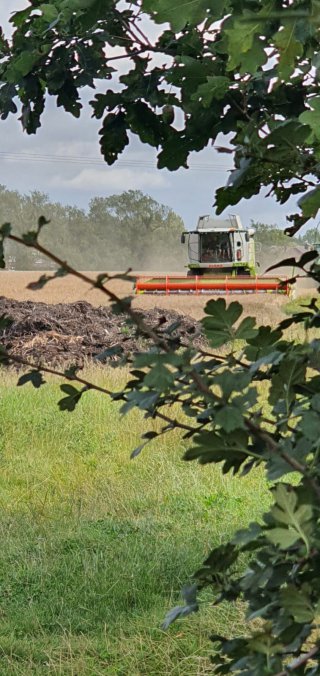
x=220 y=246
x=221 y=261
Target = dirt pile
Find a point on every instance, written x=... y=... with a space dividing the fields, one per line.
x=74 y=332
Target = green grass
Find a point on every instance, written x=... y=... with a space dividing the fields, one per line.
x=95 y=547
x=298 y=304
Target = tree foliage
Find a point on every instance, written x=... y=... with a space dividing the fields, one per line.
x=271 y=235
x=245 y=69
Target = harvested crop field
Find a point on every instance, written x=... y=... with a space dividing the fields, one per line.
x=68 y=322
x=70 y=290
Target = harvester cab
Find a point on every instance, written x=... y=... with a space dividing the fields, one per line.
x=220 y=246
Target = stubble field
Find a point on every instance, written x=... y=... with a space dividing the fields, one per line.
x=70 y=290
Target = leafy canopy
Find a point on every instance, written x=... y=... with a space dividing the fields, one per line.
x=248 y=69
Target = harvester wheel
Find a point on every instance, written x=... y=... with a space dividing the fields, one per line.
x=243 y=272
x=194 y=272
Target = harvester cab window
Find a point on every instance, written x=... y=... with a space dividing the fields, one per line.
x=215 y=248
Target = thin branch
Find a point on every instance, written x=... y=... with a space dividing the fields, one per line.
x=299 y=662
x=61 y=374
x=176 y=423
x=90 y=386
x=129 y=55
x=135 y=316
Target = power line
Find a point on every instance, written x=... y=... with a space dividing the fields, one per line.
x=91 y=161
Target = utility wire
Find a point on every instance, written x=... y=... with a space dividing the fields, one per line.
x=91 y=161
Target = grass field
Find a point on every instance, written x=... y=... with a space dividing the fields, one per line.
x=95 y=546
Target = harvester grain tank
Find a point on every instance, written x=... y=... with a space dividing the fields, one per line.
x=221 y=260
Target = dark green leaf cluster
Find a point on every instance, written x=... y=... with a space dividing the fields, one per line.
x=223 y=399
x=247 y=69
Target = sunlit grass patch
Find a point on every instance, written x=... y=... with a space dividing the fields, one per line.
x=95 y=546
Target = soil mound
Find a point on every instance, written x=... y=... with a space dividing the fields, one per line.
x=75 y=332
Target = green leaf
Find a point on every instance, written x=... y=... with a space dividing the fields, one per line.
x=231 y=381
x=262 y=344
x=230 y=449
x=44 y=279
x=114 y=137
x=41 y=222
x=5 y=322
x=49 y=12
x=30 y=238
x=143 y=400
x=219 y=325
x=282 y=537
x=189 y=594
x=250 y=534
x=175 y=152
x=312 y=117
x=159 y=378
x=297 y=603
x=291 y=372
x=290 y=48
x=5 y=230
x=246 y=330
x=230 y=418
x=20 y=66
x=144 y=122
x=178 y=611
x=288 y=132
x=310 y=203
x=214 y=89
x=240 y=37
x=288 y=512
x=137 y=451
x=310 y=425
x=34 y=377
x=180 y=13
x=113 y=351
x=254 y=58
x=73 y=397
x=19 y=18
x=40 y=283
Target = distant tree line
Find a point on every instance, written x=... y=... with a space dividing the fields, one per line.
x=115 y=232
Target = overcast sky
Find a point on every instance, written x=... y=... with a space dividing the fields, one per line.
x=63 y=160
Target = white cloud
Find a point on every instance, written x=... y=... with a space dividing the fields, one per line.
x=115 y=179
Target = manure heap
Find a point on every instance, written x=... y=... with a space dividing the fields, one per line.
x=76 y=332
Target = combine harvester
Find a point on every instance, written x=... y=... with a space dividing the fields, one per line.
x=221 y=261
